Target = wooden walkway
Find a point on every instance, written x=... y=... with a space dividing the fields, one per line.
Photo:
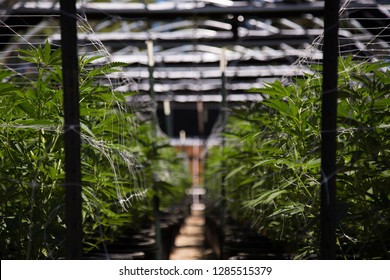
x=190 y=243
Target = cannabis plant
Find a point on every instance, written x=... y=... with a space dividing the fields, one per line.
x=271 y=162
x=117 y=163
x=32 y=158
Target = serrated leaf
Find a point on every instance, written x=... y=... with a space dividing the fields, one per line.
x=289 y=210
x=382 y=104
x=47 y=53
x=234 y=172
x=282 y=107
x=265 y=197
x=86 y=129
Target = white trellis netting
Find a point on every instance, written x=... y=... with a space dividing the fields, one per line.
x=285 y=166
x=31 y=139
x=33 y=35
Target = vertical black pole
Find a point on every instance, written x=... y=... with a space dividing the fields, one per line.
x=156 y=198
x=328 y=130
x=223 y=65
x=71 y=130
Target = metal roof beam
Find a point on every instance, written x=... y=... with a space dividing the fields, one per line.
x=156 y=12
x=175 y=73
x=199 y=57
x=181 y=98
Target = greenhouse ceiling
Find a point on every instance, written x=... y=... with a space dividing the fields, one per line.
x=264 y=40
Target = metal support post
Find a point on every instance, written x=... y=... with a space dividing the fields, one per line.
x=156 y=198
x=223 y=65
x=73 y=219
x=328 y=131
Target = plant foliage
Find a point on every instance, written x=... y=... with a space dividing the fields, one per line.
x=116 y=162
x=271 y=162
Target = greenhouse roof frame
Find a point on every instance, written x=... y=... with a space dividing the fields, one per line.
x=263 y=40
x=170 y=9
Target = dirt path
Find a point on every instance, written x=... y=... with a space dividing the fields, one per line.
x=190 y=243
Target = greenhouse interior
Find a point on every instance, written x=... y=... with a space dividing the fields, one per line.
x=195 y=129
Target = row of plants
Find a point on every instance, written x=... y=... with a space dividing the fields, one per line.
x=269 y=166
x=123 y=166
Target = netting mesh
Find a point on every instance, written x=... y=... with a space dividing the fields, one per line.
x=31 y=137
x=271 y=159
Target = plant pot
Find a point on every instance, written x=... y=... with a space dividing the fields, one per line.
x=115 y=256
x=213 y=235
x=265 y=256
x=133 y=244
x=242 y=242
